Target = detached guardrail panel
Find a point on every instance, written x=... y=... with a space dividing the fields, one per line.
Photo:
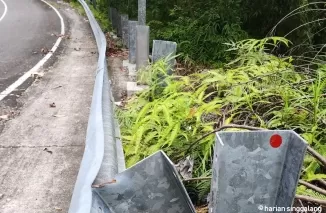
x=152 y=185
x=255 y=169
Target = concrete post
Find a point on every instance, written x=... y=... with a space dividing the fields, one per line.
x=119 y=26
x=142 y=46
x=162 y=49
x=114 y=18
x=124 y=29
x=132 y=41
x=142 y=12
x=110 y=14
x=94 y=3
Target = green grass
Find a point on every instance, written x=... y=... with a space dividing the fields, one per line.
x=78 y=7
x=101 y=17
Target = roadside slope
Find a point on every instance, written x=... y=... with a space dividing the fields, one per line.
x=41 y=149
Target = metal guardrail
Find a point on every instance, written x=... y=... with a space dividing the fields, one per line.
x=103 y=157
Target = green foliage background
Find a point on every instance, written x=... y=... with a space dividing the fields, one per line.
x=201 y=27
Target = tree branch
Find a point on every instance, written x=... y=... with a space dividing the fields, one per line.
x=197 y=179
x=313 y=152
x=311 y=199
x=311 y=186
x=316 y=155
x=221 y=128
x=323 y=182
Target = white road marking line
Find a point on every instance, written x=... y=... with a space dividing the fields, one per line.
x=28 y=74
x=5 y=11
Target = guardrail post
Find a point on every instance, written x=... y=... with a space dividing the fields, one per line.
x=132 y=41
x=93 y=2
x=124 y=29
x=255 y=171
x=114 y=18
x=142 y=46
x=110 y=14
x=162 y=49
x=142 y=12
x=119 y=26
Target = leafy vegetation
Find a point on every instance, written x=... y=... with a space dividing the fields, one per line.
x=100 y=13
x=256 y=89
x=201 y=27
x=78 y=7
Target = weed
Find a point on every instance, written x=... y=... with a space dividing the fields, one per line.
x=256 y=89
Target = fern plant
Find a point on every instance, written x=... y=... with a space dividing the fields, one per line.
x=256 y=89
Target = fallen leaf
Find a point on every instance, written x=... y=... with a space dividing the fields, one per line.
x=44 y=50
x=1 y=196
x=58 y=209
x=118 y=103
x=4 y=117
x=185 y=167
x=57 y=87
x=105 y=183
x=77 y=49
x=37 y=75
x=59 y=116
x=202 y=209
x=49 y=151
x=192 y=112
x=53 y=105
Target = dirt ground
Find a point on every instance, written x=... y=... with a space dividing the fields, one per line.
x=118 y=76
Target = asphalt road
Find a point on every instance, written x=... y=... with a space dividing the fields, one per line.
x=26 y=28
x=41 y=147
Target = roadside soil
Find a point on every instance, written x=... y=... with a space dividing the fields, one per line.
x=118 y=77
x=117 y=73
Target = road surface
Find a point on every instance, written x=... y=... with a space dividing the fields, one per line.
x=41 y=146
x=26 y=28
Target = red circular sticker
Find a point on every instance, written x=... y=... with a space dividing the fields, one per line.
x=275 y=141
